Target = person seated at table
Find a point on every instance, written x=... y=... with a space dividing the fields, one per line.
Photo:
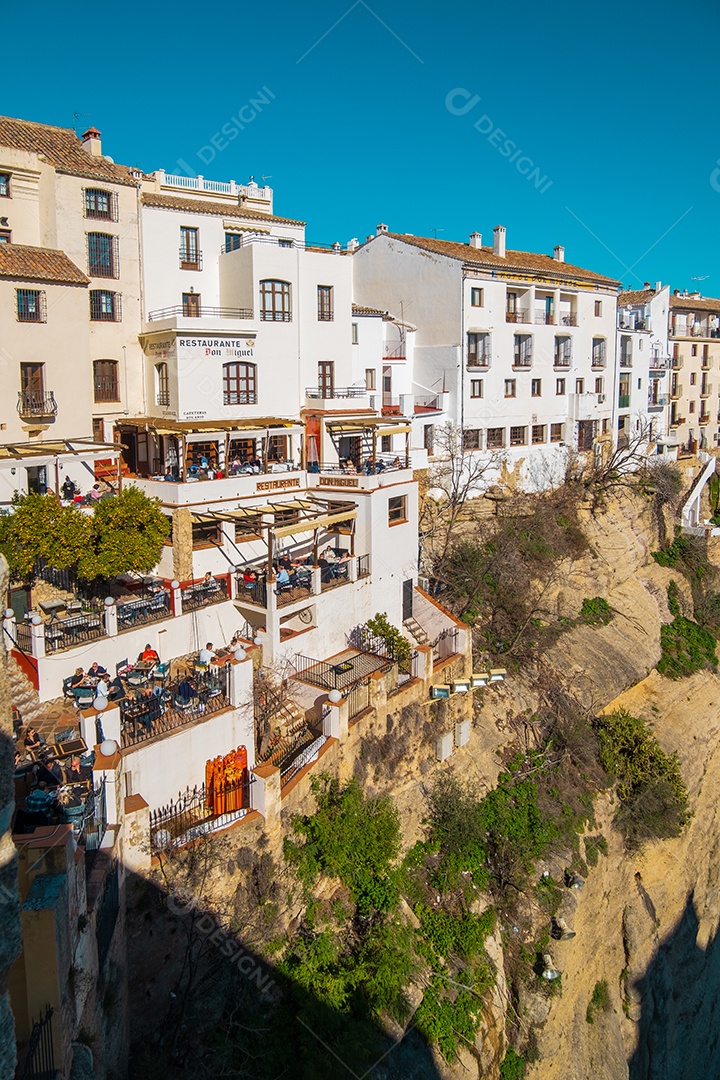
x=102 y=690
x=96 y=671
x=73 y=771
x=149 y=655
x=329 y=554
x=68 y=489
x=33 y=741
x=249 y=576
x=95 y=493
x=209 y=582
x=186 y=691
x=51 y=772
x=40 y=801
x=77 y=678
x=206 y=655
x=116 y=690
x=282 y=581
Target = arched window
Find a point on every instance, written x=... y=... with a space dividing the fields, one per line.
x=275 y=301
x=239 y=384
x=105 y=380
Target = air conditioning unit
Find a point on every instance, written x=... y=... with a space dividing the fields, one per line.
x=601 y=399
x=424 y=583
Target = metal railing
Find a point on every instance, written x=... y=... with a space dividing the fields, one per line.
x=239 y=397
x=363 y=566
x=303 y=751
x=569 y=319
x=299 y=590
x=149 y=608
x=169 y=707
x=358 y=698
x=191 y=815
x=41 y=403
x=39 y=1063
x=106 y=390
x=200 y=595
x=325 y=675
x=478 y=359
x=523 y=359
x=190 y=260
x=544 y=318
x=254 y=592
x=384 y=463
x=519 y=316
x=202 y=312
x=625 y=359
x=66 y=633
x=336 y=392
x=562 y=360
x=23 y=636
x=432 y=404
x=445 y=644
x=333 y=575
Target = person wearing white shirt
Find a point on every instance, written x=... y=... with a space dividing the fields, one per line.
x=206 y=655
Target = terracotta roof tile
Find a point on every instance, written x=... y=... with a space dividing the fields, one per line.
x=359 y=309
x=22 y=263
x=520 y=261
x=636 y=298
x=695 y=303
x=199 y=206
x=61 y=148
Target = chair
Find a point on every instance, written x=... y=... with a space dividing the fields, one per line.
x=161 y=672
x=84 y=697
x=67 y=689
x=123 y=668
x=137 y=680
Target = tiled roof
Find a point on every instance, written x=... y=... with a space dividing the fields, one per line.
x=61 y=148
x=39 y=264
x=638 y=298
x=520 y=261
x=199 y=206
x=359 y=309
x=696 y=303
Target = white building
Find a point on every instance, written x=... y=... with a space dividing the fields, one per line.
x=694 y=394
x=521 y=345
x=642 y=392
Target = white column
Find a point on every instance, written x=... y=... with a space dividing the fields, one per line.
x=111 y=619
x=10 y=626
x=176 y=599
x=37 y=637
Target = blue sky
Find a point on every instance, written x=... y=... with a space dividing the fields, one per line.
x=611 y=113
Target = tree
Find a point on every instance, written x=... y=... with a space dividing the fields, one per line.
x=458 y=475
x=40 y=529
x=627 y=464
x=127 y=533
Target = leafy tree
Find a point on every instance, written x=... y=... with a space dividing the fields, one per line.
x=41 y=529
x=398 y=646
x=127 y=534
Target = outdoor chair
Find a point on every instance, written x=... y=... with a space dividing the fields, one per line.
x=161 y=672
x=123 y=668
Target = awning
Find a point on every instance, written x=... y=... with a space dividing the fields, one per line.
x=310 y=524
x=78 y=448
x=377 y=424
x=252 y=427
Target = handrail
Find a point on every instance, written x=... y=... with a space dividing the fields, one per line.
x=20 y=649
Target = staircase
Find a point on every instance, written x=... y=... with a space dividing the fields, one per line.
x=46 y=716
x=415 y=629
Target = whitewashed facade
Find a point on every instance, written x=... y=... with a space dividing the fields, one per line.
x=642 y=380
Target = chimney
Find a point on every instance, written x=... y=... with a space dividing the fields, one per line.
x=559 y=253
x=476 y=239
x=91 y=142
x=646 y=285
x=499 y=241
x=658 y=286
x=381 y=228
x=352 y=245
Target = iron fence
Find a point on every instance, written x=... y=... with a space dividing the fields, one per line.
x=445 y=644
x=149 y=608
x=304 y=749
x=191 y=815
x=66 y=633
x=177 y=703
x=358 y=698
x=61 y=578
x=363 y=566
x=252 y=592
x=39 y=1063
x=200 y=595
x=23 y=637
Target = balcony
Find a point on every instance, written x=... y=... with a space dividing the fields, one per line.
x=657 y=403
x=173 y=708
x=598 y=361
x=676 y=421
x=190 y=260
x=544 y=318
x=35 y=405
x=392 y=351
x=325 y=393
x=478 y=360
x=677 y=363
x=428 y=404
x=569 y=318
x=676 y=391
x=706 y=390
x=704 y=418
x=562 y=360
x=519 y=316
x=706 y=363
x=625 y=360
x=523 y=361
x=106 y=391
x=181 y=311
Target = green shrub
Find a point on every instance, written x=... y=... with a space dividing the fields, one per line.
x=650 y=787
x=599 y=1002
x=450 y=1015
x=594 y=846
x=513 y=1066
x=673 y=598
x=686 y=647
x=596 y=612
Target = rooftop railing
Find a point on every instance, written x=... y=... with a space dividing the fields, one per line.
x=203 y=312
x=336 y=392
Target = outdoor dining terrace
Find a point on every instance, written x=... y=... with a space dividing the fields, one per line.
x=162 y=706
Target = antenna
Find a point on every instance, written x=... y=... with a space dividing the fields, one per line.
x=77 y=115
x=702 y=277
x=266 y=177
x=436 y=231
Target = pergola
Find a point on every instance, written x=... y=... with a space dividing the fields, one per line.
x=313 y=515
x=55 y=452
x=226 y=431
x=369 y=429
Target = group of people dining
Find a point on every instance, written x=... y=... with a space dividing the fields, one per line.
x=48 y=777
x=290 y=572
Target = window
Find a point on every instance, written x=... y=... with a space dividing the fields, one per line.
x=476 y=297
x=190 y=255
x=5 y=185
x=471 y=438
x=370 y=379
x=556 y=432
x=536 y=388
x=598 y=351
x=579 y=386
x=605 y=426
x=233 y=241
x=285 y=243
x=98 y=429
x=510 y=387
x=5 y=236
x=325 y=303
x=103 y=258
x=495 y=438
x=599 y=386
x=354 y=328
x=239 y=384
x=693 y=378
x=326 y=378
x=105 y=380
x=206 y=534
x=275 y=301
x=248 y=528
x=693 y=350
x=397 y=510
x=563 y=351
x=538 y=433
x=691 y=406
x=429 y=437
x=162 y=384
x=191 y=305
x=100 y=204
x=32 y=389
x=386 y=444
x=639 y=384
x=476 y=388
x=31 y=306
x=105 y=306
x=518 y=436
x=478 y=349
x=523 y=350
x=598 y=308
x=559 y=387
